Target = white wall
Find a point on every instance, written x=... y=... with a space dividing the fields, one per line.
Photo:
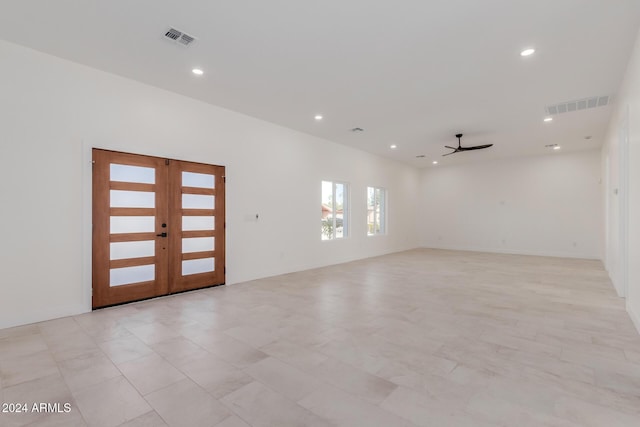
x=53 y=111
x=543 y=205
x=626 y=115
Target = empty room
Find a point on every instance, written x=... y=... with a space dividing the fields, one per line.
x=341 y=213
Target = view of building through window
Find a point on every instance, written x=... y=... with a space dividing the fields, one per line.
x=334 y=210
x=376 y=210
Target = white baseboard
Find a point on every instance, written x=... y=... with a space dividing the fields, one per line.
x=635 y=317
x=294 y=268
x=616 y=286
x=512 y=252
x=43 y=315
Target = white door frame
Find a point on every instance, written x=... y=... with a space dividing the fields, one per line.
x=623 y=201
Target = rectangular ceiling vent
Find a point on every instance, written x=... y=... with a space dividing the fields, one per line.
x=580 y=104
x=179 y=37
x=186 y=39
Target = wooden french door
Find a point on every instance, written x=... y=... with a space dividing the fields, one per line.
x=158 y=226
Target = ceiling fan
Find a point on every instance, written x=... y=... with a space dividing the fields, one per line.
x=460 y=148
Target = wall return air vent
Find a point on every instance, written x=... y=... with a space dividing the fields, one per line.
x=578 y=105
x=179 y=37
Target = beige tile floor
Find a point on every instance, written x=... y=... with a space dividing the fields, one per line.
x=419 y=338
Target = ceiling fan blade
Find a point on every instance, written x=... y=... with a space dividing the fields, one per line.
x=478 y=147
x=448 y=154
x=453 y=148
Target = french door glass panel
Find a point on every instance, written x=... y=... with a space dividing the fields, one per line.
x=132 y=224
x=132 y=199
x=196 y=266
x=198 y=201
x=199 y=180
x=129 y=275
x=140 y=249
x=197 y=244
x=137 y=174
x=194 y=223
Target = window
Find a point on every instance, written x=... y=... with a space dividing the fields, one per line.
x=376 y=210
x=334 y=210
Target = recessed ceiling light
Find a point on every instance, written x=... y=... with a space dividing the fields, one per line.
x=318 y=117
x=393 y=146
x=197 y=71
x=435 y=162
x=548 y=119
x=557 y=147
x=527 y=52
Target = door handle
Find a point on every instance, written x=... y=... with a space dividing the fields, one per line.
x=162 y=235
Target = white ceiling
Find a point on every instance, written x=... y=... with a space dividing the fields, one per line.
x=409 y=72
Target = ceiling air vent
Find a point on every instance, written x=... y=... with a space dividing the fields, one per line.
x=179 y=37
x=173 y=34
x=578 y=105
x=186 y=39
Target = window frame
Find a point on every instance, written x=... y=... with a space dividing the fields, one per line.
x=346 y=211
x=379 y=216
